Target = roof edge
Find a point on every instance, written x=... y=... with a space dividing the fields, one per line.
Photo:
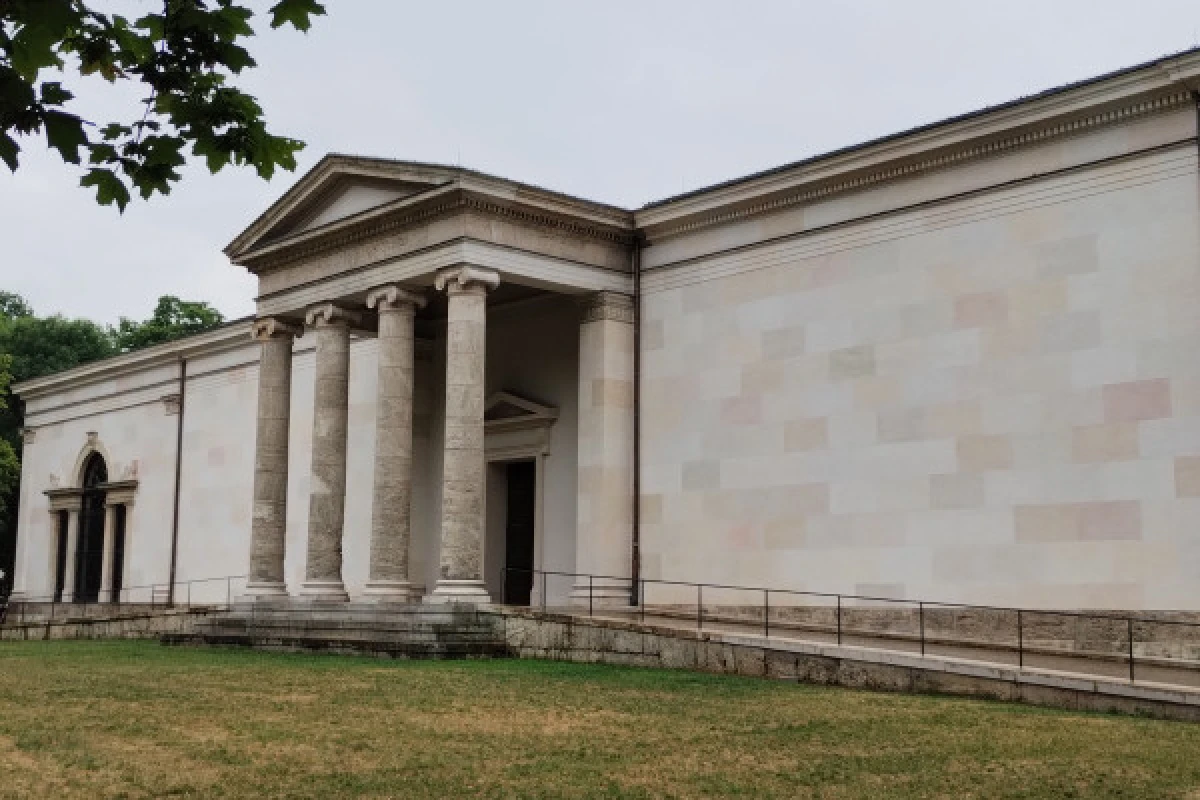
x=1180 y=69
x=207 y=342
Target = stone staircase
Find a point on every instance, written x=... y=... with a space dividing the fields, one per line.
x=414 y=631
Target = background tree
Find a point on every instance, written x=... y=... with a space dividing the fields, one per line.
x=10 y=477
x=183 y=56
x=32 y=346
x=172 y=319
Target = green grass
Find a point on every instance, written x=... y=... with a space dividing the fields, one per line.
x=117 y=719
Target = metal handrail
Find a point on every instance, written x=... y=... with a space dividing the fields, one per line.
x=126 y=597
x=920 y=606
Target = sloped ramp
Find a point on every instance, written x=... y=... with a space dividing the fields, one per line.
x=572 y=637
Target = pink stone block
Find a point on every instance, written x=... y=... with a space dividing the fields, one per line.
x=1187 y=476
x=1095 y=443
x=1110 y=521
x=980 y=310
x=1137 y=400
x=980 y=453
x=742 y=410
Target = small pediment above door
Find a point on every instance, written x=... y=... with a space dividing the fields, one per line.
x=508 y=411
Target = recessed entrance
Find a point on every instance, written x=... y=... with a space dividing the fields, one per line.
x=89 y=560
x=519 y=528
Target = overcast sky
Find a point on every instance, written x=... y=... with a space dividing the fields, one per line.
x=621 y=101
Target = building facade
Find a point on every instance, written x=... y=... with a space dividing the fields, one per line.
x=958 y=363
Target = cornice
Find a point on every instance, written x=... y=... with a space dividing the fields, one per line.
x=952 y=157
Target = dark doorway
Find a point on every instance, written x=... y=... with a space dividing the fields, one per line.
x=518 y=532
x=60 y=555
x=89 y=558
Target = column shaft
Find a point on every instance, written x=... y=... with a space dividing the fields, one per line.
x=73 y=518
x=391 y=502
x=460 y=573
x=106 y=556
x=327 y=498
x=268 y=527
x=604 y=522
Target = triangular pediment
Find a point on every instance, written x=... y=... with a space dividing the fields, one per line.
x=337 y=190
x=508 y=410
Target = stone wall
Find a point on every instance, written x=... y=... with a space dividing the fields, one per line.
x=146 y=625
x=990 y=399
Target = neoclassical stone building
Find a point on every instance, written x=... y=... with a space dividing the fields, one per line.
x=959 y=363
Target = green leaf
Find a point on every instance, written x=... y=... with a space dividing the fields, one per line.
x=64 y=132
x=109 y=188
x=296 y=13
x=53 y=94
x=8 y=151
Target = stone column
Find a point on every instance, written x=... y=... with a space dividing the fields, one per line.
x=327 y=498
x=460 y=572
x=268 y=527
x=73 y=518
x=391 y=502
x=106 y=556
x=604 y=517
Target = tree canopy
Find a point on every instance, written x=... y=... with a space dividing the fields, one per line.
x=172 y=318
x=183 y=56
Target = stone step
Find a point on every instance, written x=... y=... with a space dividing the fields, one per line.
x=368 y=614
x=396 y=648
x=352 y=633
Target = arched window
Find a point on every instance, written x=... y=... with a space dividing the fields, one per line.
x=89 y=553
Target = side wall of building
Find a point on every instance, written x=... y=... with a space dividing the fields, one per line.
x=993 y=398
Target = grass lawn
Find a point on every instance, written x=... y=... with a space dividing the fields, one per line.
x=133 y=719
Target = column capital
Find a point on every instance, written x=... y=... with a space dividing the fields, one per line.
x=606 y=305
x=454 y=280
x=265 y=328
x=393 y=297
x=323 y=314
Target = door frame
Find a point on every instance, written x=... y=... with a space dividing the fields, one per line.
x=522 y=433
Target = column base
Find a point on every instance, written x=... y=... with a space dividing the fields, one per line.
x=18 y=596
x=324 y=592
x=459 y=592
x=602 y=593
x=264 y=592
x=391 y=592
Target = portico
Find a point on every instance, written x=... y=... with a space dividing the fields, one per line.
x=366 y=275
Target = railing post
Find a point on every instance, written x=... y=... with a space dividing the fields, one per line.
x=590 y=607
x=699 y=606
x=504 y=585
x=839 y=619
x=189 y=600
x=545 y=589
x=921 y=619
x=1130 y=621
x=228 y=593
x=767 y=612
x=1020 y=641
